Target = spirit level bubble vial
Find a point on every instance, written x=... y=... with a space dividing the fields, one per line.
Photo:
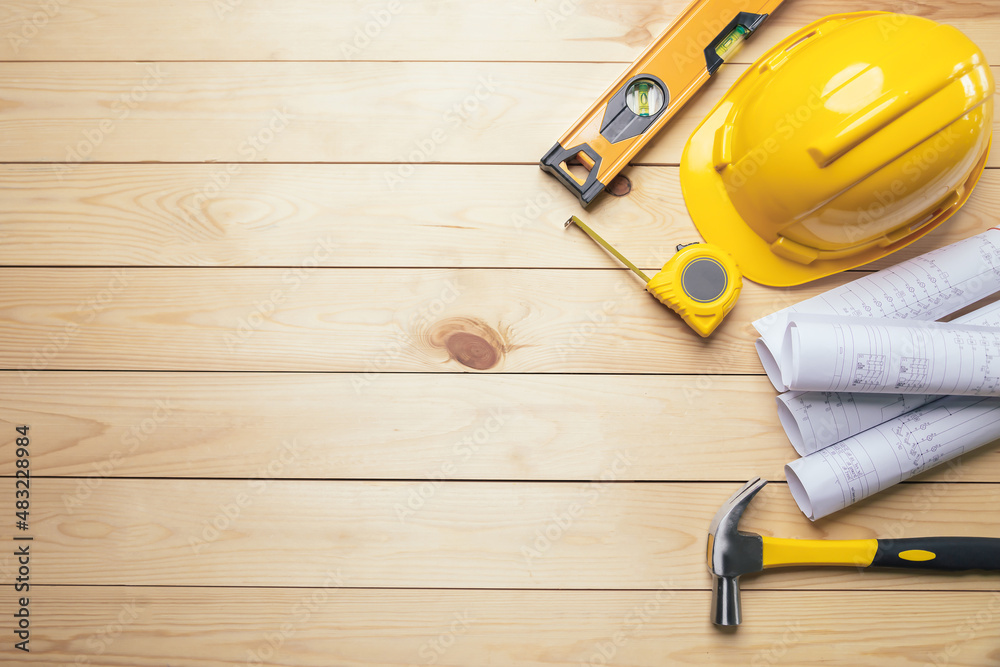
x=650 y=91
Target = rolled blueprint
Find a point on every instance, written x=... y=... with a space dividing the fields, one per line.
x=926 y=288
x=817 y=419
x=890 y=356
x=814 y=419
x=844 y=473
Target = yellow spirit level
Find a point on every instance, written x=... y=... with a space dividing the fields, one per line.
x=701 y=282
x=650 y=91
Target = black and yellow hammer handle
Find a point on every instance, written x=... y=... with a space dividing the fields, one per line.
x=926 y=553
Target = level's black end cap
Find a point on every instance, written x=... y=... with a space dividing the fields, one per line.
x=748 y=20
x=556 y=155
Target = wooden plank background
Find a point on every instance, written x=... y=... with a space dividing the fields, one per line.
x=237 y=240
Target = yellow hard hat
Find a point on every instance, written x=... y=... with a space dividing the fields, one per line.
x=850 y=139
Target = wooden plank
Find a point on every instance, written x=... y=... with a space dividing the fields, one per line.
x=407 y=426
x=429 y=534
x=368 y=321
x=357 y=628
x=580 y=30
x=68 y=113
x=273 y=215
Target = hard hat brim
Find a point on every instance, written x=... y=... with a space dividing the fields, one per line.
x=718 y=221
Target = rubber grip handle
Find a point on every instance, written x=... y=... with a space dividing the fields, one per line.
x=939 y=553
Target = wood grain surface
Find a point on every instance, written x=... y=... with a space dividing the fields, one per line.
x=459 y=427
x=548 y=30
x=364 y=321
x=357 y=628
x=441 y=533
x=315 y=376
x=483 y=112
x=274 y=215
x=362 y=627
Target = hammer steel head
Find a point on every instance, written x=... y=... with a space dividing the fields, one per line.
x=732 y=553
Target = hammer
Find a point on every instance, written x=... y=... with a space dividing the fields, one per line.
x=733 y=553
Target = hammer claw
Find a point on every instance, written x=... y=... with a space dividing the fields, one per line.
x=732 y=553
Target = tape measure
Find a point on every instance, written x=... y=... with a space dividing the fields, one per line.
x=650 y=92
x=701 y=282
